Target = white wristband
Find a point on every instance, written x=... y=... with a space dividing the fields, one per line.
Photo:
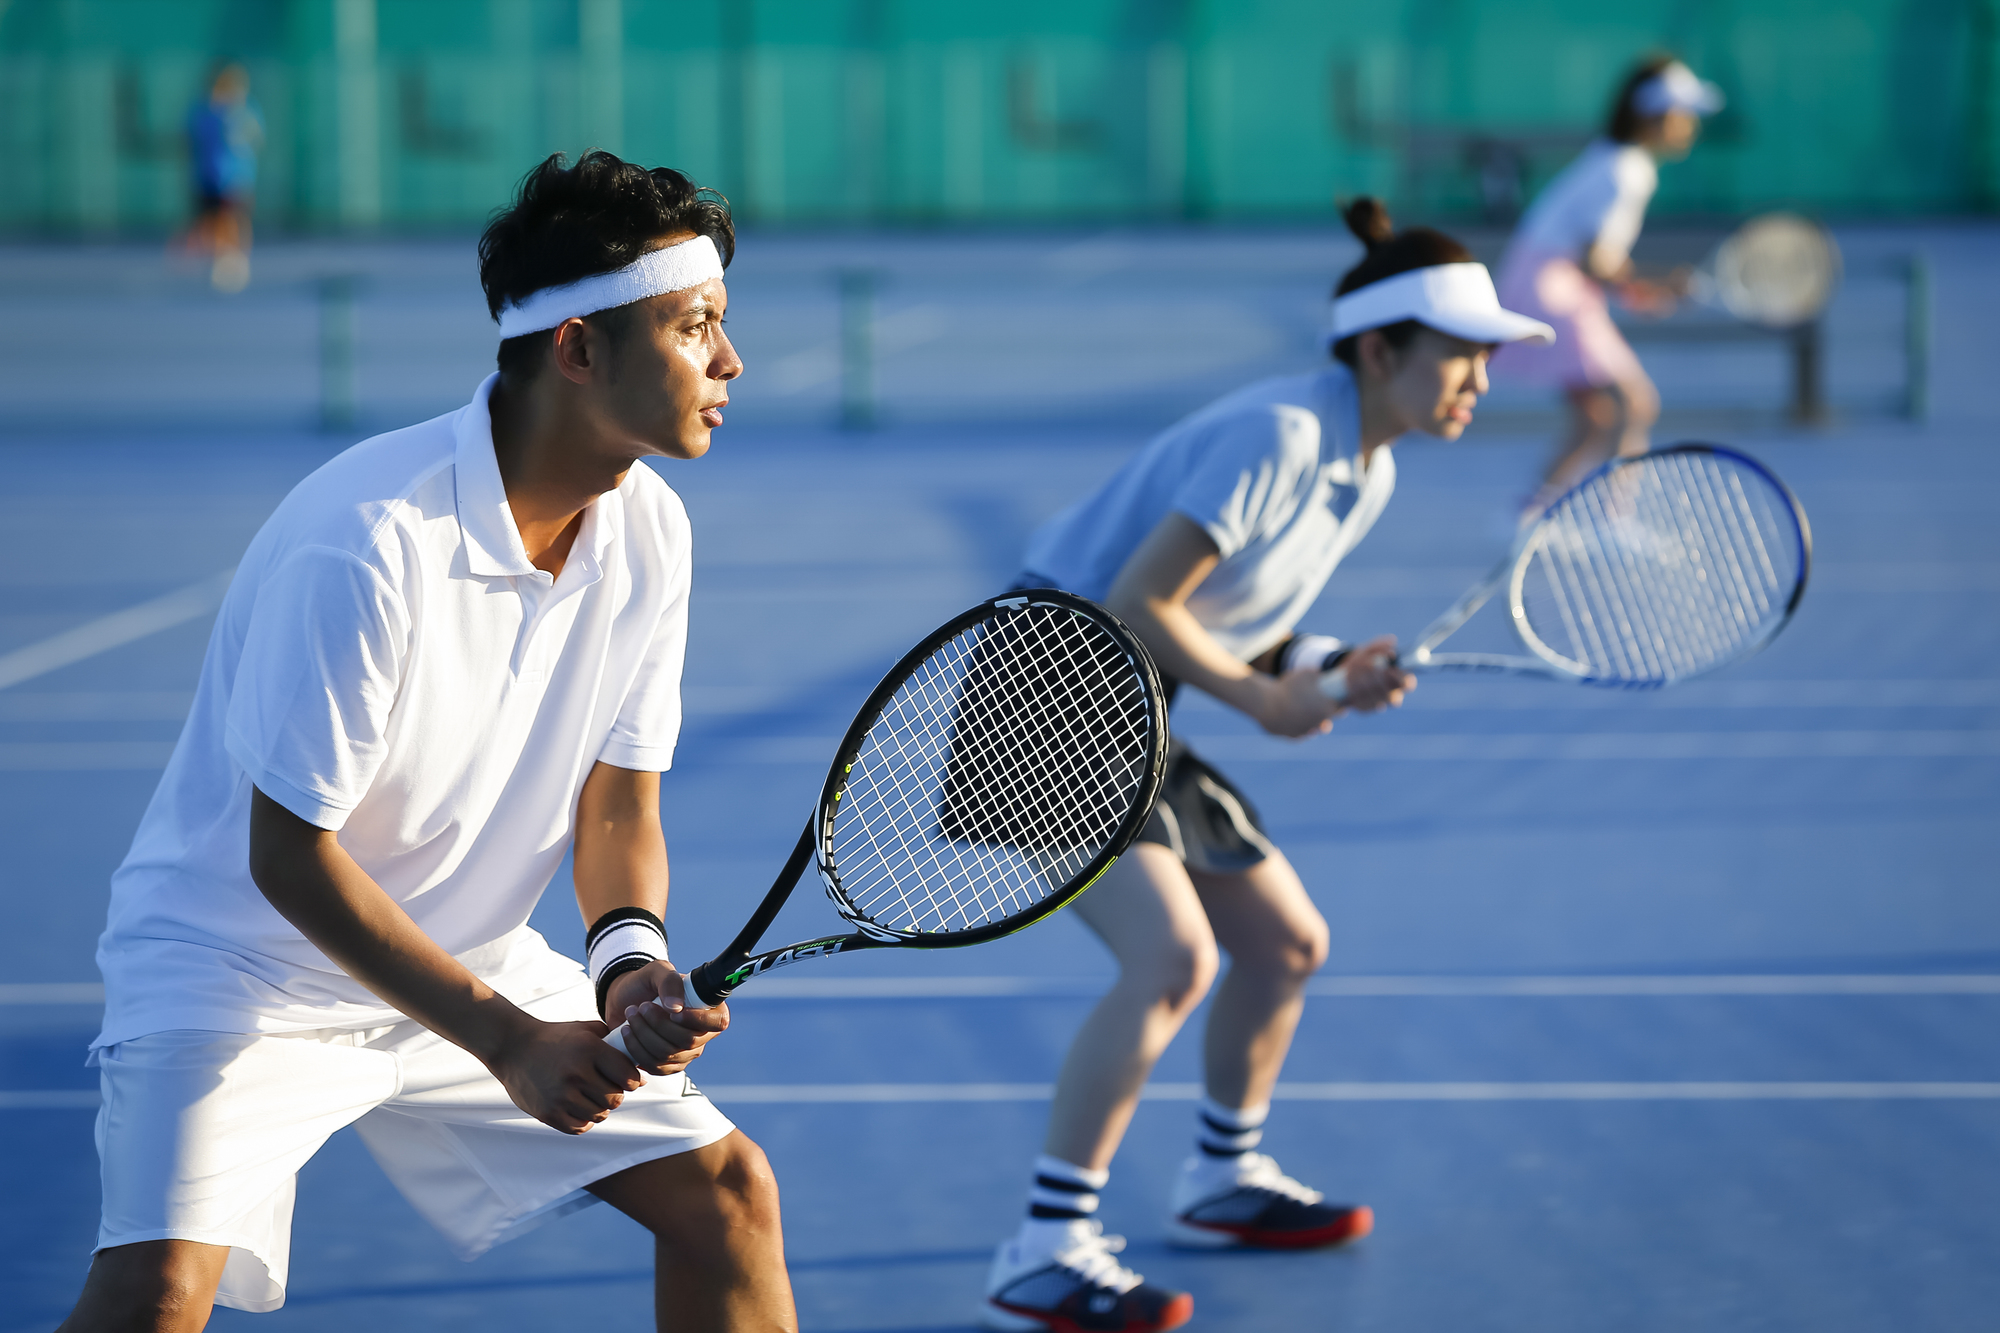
x=623 y=940
x=1309 y=650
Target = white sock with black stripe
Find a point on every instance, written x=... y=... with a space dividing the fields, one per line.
x=1063 y=1192
x=1227 y=1132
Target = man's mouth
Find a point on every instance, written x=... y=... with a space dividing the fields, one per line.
x=712 y=416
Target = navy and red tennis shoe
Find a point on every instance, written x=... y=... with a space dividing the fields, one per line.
x=1250 y=1203
x=1078 y=1287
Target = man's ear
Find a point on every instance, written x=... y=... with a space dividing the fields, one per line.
x=577 y=350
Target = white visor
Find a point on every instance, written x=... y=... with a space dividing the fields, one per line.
x=672 y=268
x=1676 y=88
x=1452 y=298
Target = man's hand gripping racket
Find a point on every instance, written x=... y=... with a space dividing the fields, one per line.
x=1650 y=571
x=992 y=776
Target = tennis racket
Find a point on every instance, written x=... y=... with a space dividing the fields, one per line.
x=991 y=777
x=1778 y=269
x=1650 y=571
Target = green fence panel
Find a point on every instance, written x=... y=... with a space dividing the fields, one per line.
x=423 y=113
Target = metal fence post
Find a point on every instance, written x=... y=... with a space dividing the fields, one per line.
x=1917 y=337
x=857 y=349
x=336 y=351
x=1808 y=383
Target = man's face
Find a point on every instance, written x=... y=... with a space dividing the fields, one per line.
x=1437 y=381
x=667 y=374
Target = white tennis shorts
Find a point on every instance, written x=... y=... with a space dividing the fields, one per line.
x=201 y=1136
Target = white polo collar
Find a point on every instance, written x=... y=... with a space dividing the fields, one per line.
x=493 y=543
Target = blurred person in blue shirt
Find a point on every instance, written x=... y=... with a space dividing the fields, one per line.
x=225 y=130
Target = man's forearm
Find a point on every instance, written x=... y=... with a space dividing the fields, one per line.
x=620 y=852
x=318 y=887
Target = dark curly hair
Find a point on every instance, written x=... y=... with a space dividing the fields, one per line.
x=1389 y=252
x=569 y=222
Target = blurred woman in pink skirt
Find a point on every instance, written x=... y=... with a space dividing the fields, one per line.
x=1574 y=241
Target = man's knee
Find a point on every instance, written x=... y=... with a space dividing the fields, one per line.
x=733 y=1190
x=149 y=1287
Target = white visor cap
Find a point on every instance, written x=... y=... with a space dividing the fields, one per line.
x=1676 y=88
x=1452 y=298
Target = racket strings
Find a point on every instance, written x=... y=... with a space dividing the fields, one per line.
x=997 y=773
x=1661 y=568
x=987 y=895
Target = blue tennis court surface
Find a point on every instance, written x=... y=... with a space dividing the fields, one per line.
x=1645 y=1012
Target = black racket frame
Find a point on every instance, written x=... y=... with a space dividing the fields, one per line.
x=712 y=982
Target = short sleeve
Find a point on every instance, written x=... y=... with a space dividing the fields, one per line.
x=322 y=659
x=649 y=720
x=1624 y=210
x=1245 y=480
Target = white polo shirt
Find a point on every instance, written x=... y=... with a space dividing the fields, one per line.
x=389 y=665
x=1272 y=473
x=1600 y=199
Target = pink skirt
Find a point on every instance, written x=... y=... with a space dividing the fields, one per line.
x=1589 y=351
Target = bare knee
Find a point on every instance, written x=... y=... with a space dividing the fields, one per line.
x=149 y=1287
x=1642 y=403
x=734 y=1192
x=1183 y=972
x=1598 y=409
x=1293 y=950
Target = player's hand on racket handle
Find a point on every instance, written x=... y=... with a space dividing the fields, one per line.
x=563 y=1074
x=1293 y=706
x=664 y=1029
x=1375 y=679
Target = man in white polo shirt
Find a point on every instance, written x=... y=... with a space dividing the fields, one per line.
x=451 y=655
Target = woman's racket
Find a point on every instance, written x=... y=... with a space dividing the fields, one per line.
x=1778 y=269
x=1651 y=571
x=991 y=777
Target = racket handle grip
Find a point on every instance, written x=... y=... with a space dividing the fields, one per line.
x=708 y=985
x=615 y=1039
x=1333 y=684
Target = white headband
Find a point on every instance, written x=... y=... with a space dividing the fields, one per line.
x=673 y=268
x=1453 y=298
x=1676 y=88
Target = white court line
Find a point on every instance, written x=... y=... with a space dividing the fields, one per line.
x=1334 y=987
x=1326 y=987
x=115 y=630
x=822 y=1094
x=52 y=992
x=1432 y=747
x=84 y=756
x=50 y=1099
x=801 y=1094
x=1515 y=747
x=1470 y=747
x=97 y=706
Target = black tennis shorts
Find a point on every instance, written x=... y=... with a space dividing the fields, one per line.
x=1203 y=819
